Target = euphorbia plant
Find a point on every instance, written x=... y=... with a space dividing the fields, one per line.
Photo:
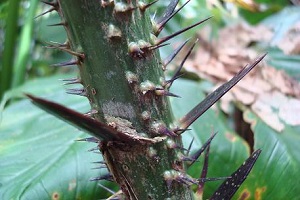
x=115 y=46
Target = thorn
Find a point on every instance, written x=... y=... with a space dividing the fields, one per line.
x=68 y=63
x=199 y=192
x=163 y=92
x=117 y=196
x=151 y=48
x=58 y=24
x=94 y=127
x=173 y=55
x=199 y=152
x=89 y=139
x=190 y=146
x=94 y=149
x=106 y=188
x=54 y=8
x=99 y=162
x=185 y=179
x=169 y=10
x=53 y=4
x=213 y=97
x=48 y=11
x=142 y=6
x=162 y=24
x=56 y=44
x=229 y=187
x=65 y=49
x=71 y=81
x=107 y=177
x=100 y=167
x=176 y=75
x=164 y=39
x=80 y=92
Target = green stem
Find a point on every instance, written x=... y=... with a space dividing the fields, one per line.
x=9 y=46
x=24 y=46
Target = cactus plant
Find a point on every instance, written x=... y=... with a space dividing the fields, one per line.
x=115 y=46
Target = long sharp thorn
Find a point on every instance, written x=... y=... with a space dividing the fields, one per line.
x=56 y=44
x=212 y=98
x=107 y=177
x=65 y=49
x=146 y=6
x=163 y=92
x=106 y=188
x=200 y=151
x=169 y=10
x=203 y=176
x=174 y=54
x=151 y=48
x=48 y=11
x=162 y=24
x=229 y=187
x=53 y=4
x=176 y=75
x=190 y=146
x=100 y=167
x=164 y=39
x=89 y=139
x=68 y=63
x=96 y=128
x=80 y=92
x=94 y=149
x=58 y=24
x=99 y=162
x=71 y=81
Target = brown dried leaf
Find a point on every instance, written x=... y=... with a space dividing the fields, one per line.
x=269 y=92
x=290 y=43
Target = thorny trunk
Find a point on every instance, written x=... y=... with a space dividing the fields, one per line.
x=123 y=79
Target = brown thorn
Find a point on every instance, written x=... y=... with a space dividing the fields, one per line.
x=176 y=75
x=164 y=39
x=58 y=24
x=162 y=24
x=80 y=92
x=213 y=97
x=48 y=11
x=146 y=6
x=169 y=10
x=68 y=63
x=172 y=55
x=71 y=81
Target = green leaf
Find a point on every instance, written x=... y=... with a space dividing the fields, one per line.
x=227 y=151
x=275 y=174
x=39 y=156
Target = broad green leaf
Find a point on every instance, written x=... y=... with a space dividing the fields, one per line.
x=288 y=63
x=275 y=175
x=39 y=157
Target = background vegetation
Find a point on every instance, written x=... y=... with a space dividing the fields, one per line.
x=40 y=157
